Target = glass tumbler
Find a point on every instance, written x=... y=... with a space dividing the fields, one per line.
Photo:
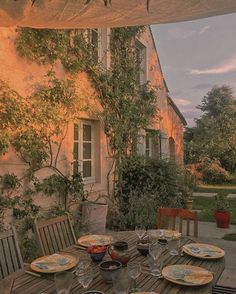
x=121 y=282
x=155 y=266
x=173 y=246
x=63 y=281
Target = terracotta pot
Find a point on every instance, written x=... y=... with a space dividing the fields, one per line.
x=94 y=216
x=189 y=204
x=222 y=219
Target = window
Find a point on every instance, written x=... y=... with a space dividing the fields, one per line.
x=152 y=144
x=172 y=149
x=83 y=150
x=142 y=60
x=100 y=40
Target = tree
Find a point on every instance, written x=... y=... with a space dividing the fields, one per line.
x=214 y=136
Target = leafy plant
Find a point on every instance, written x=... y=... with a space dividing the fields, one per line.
x=222 y=202
x=142 y=187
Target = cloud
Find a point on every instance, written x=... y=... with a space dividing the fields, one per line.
x=178 y=33
x=182 y=102
x=203 y=30
x=225 y=67
x=202 y=86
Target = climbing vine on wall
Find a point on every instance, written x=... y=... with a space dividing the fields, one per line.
x=127 y=105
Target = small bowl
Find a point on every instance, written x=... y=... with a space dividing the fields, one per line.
x=108 y=268
x=97 y=252
x=143 y=247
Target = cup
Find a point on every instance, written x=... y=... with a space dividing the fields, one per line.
x=63 y=281
x=173 y=246
x=155 y=266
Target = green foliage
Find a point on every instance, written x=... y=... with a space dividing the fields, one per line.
x=213 y=173
x=222 y=202
x=142 y=187
x=9 y=181
x=214 y=136
x=46 y=46
x=70 y=189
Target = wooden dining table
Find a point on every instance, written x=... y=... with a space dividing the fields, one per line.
x=23 y=283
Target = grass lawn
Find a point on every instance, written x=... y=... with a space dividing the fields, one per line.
x=207 y=205
x=229 y=188
x=230 y=237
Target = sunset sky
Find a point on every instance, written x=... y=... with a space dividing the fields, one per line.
x=195 y=56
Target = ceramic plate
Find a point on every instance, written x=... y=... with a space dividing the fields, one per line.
x=205 y=251
x=165 y=233
x=91 y=240
x=145 y=293
x=187 y=275
x=172 y=234
x=54 y=263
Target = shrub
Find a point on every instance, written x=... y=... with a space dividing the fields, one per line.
x=142 y=186
x=213 y=173
x=222 y=202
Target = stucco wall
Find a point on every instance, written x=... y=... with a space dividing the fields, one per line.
x=22 y=76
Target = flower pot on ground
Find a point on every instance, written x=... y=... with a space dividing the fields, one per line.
x=189 y=204
x=94 y=215
x=222 y=211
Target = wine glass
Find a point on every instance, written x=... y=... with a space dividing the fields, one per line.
x=134 y=271
x=140 y=231
x=85 y=278
x=154 y=250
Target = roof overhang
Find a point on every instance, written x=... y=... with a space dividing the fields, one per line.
x=107 y=13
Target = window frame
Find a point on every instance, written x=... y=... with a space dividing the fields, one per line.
x=80 y=149
x=142 y=74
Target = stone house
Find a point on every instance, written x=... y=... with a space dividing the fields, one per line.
x=85 y=140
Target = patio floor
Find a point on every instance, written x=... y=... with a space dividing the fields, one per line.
x=206 y=229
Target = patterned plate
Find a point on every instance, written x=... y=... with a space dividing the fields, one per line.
x=204 y=251
x=91 y=240
x=164 y=233
x=187 y=275
x=145 y=293
x=172 y=234
x=54 y=263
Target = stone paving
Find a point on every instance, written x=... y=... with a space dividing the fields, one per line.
x=209 y=233
x=203 y=194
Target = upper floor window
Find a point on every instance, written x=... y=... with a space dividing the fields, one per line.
x=100 y=40
x=142 y=60
x=83 y=150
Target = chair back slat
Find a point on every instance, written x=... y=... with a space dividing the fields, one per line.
x=177 y=215
x=54 y=234
x=10 y=256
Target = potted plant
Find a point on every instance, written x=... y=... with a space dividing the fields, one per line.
x=94 y=214
x=222 y=211
x=187 y=193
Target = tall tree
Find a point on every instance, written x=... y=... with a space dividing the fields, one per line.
x=214 y=135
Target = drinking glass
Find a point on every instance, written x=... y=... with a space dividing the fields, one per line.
x=85 y=277
x=134 y=271
x=121 y=282
x=140 y=231
x=63 y=281
x=155 y=266
x=173 y=246
x=155 y=250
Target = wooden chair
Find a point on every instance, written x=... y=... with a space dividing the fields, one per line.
x=54 y=234
x=173 y=218
x=10 y=255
